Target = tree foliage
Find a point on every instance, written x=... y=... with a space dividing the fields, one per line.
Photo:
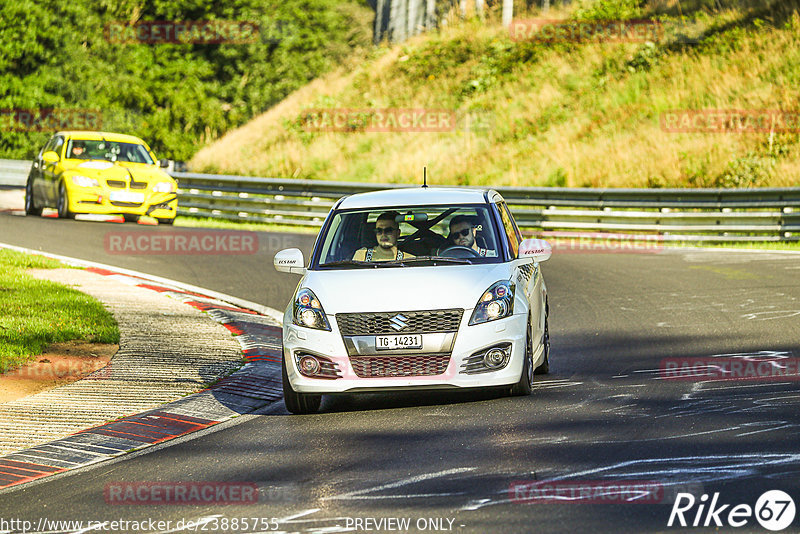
x=177 y=96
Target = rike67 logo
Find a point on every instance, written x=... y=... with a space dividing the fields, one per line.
x=774 y=510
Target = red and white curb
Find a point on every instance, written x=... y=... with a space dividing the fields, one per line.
x=53 y=214
x=255 y=385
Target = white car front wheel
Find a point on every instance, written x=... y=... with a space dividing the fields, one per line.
x=544 y=367
x=523 y=387
x=298 y=403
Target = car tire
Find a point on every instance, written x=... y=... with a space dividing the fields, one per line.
x=165 y=221
x=30 y=201
x=130 y=218
x=63 y=203
x=544 y=367
x=524 y=386
x=298 y=403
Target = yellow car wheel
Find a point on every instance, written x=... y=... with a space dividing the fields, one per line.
x=63 y=204
x=30 y=203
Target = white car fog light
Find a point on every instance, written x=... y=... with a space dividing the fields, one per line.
x=309 y=365
x=494 y=358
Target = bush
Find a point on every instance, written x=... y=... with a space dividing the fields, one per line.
x=590 y=10
x=748 y=171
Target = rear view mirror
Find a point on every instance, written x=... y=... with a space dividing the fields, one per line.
x=411 y=217
x=290 y=260
x=163 y=163
x=538 y=249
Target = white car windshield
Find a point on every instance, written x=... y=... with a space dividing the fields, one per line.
x=409 y=236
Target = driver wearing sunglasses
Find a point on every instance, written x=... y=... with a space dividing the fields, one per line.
x=387 y=231
x=462 y=233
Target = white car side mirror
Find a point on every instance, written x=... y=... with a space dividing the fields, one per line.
x=538 y=249
x=290 y=260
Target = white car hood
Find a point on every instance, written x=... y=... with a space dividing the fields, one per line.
x=403 y=288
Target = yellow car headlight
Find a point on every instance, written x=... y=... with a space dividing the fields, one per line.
x=164 y=187
x=84 y=181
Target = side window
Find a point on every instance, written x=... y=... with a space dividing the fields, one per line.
x=59 y=143
x=50 y=144
x=510 y=228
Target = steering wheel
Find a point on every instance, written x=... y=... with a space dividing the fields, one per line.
x=459 y=252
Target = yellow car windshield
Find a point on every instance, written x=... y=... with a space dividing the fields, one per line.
x=107 y=151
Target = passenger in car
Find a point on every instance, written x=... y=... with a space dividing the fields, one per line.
x=387 y=232
x=463 y=233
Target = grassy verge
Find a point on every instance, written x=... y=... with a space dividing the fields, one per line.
x=654 y=245
x=205 y=222
x=754 y=245
x=37 y=313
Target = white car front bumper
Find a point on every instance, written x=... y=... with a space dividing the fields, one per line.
x=468 y=341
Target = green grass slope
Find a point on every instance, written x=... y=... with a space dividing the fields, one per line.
x=550 y=113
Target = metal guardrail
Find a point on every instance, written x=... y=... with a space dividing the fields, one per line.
x=14 y=172
x=672 y=214
x=724 y=215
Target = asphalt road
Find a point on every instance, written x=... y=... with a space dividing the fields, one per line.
x=446 y=461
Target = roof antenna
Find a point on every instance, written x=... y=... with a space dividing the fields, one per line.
x=424 y=177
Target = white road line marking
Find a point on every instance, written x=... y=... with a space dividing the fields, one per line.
x=404 y=482
x=787 y=425
x=288 y=518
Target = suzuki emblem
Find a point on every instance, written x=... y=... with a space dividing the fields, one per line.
x=399 y=322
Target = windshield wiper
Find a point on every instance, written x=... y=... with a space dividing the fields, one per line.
x=446 y=259
x=346 y=262
x=395 y=263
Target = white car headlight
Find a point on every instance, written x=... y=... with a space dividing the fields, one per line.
x=308 y=311
x=164 y=187
x=495 y=303
x=84 y=181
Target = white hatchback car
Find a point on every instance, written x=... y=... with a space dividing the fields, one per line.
x=424 y=288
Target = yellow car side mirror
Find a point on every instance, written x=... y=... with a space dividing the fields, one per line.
x=50 y=157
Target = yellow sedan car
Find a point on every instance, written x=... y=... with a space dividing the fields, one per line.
x=100 y=173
